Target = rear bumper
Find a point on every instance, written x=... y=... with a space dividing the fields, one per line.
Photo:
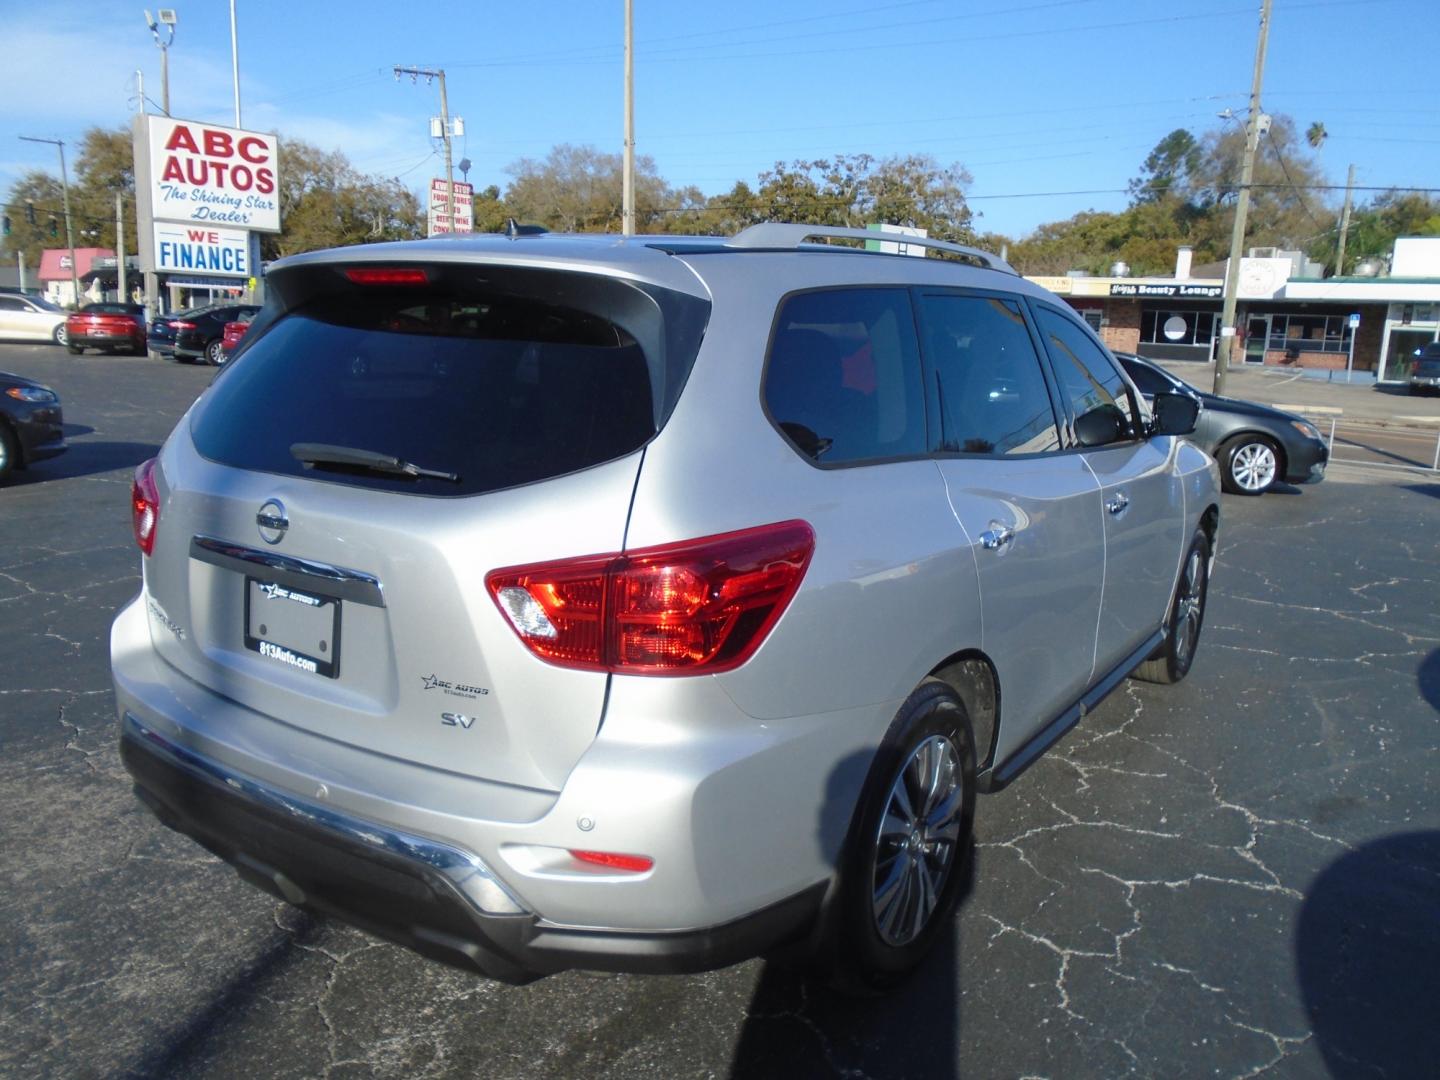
x=81 y=338
x=430 y=896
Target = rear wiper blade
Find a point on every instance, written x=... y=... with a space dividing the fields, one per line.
x=312 y=454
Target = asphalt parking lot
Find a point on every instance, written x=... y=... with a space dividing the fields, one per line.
x=1238 y=876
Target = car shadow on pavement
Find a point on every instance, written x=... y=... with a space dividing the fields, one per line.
x=1429 y=678
x=84 y=458
x=1368 y=958
x=796 y=1026
x=182 y=1050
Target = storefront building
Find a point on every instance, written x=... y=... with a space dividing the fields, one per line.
x=1364 y=324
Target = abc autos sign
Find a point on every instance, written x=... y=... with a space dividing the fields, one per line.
x=217 y=176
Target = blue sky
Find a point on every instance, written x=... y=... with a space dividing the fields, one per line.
x=1032 y=96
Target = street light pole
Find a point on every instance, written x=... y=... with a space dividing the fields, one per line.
x=1242 y=206
x=235 y=62
x=69 y=228
x=627 y=194
x=168 y=20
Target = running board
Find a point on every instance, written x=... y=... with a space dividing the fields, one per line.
x=998 y=776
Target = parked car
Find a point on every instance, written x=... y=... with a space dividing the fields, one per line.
x=108 y=327
x=646 y=605
x=31 y=423
x=230 y=338
x=24 y=317
x=1257 y=446
x=195 y=333
x=1425 y=375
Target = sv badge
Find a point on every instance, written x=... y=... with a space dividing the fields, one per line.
x=451 y=719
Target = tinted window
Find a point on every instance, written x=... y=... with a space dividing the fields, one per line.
x=1147 y=379
x=502 y=390
x=843 y=379
x=9 y=303
x=1088 y=380
x=988 y=382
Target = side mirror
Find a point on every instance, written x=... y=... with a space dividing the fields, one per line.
x=1174 y=414
x=1101 y=425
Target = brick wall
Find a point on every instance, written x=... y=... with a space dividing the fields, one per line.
x=1121 y=331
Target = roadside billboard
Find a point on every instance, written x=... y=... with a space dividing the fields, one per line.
x=201 y=249
x=439 y=216
x=209 y=175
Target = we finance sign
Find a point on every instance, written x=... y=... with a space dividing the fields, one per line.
x=213 y=176
x=196 y=249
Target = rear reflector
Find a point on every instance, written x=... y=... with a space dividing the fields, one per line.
x=387 y=275
x=635 y=864
x=698 y=607
x=145 y=506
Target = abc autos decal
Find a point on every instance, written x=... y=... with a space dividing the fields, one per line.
x=213 y=176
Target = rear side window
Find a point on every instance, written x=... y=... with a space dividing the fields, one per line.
x=497 y=389
x=1148 y=381
x=1087 y=377
x=988 y=381
x=843 y=378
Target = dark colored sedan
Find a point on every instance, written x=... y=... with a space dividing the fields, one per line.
x=109 y=327
x=196 y=333
x=31 y=424
x=1256 y=445
x=1425 y=375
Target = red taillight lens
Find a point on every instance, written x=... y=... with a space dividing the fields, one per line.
x=635 y=864
x=694 y=608
x=387 y=275
x=145 y=506
x=181 y=324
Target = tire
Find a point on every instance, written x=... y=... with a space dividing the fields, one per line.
x=60 y=336
x=9 y=452
x=901 y=874
x=1249 y=465
x=1171 y=662
x=215 y=352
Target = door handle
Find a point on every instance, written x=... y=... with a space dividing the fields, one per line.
x=1118 y=503
x=996 y=537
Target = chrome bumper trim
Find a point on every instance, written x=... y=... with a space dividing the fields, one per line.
x=464 y=870
x=354 y=585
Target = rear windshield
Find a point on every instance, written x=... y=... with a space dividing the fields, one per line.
x=495 y=390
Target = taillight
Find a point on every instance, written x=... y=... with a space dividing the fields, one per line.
x=387 y=275
x=181 y=324
x=145 y=506
x=697 y=607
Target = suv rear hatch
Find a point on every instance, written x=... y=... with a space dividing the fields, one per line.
x=388 y=436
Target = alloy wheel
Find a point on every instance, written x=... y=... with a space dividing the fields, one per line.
x=1189 y=609
x=1253 y=466
x=916 y=843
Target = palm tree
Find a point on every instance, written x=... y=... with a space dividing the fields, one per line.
x=1316 y=135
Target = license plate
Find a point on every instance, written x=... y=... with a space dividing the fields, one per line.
x=297 y=629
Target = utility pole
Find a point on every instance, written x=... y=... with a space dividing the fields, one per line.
x=1344 y=223
x=627 y=195
x=1242 y=207
x=69 y=229
x=124 y=296
x=439 y=73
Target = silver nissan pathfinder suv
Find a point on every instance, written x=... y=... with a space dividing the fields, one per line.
x=645 y=604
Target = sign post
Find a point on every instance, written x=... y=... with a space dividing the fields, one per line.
x=445 y=218
x=1350 y=361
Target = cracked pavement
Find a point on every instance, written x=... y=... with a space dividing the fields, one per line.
x=1237 y=876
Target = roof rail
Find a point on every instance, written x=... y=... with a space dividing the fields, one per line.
x=783 y=235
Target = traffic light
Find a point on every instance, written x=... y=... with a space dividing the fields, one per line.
x=54 y=227
x=29 y=212
x=7 y=224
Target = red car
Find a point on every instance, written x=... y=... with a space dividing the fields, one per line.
x=231 y=336
x=108 y=327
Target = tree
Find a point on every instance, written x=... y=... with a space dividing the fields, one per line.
x=579 y=189
x=103 y=167
x=1167 y=171
x=1375 y=226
